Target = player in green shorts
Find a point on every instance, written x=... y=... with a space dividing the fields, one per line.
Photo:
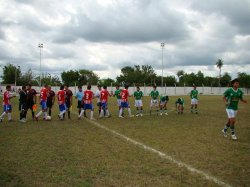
x=194 y=100
x=138 y=101
x=154 y=103
x=163 y=104
x=231 y=97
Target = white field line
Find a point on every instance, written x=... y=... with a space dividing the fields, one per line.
x=162 y=155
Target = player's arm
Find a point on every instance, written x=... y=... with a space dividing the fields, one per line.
x=243 y=100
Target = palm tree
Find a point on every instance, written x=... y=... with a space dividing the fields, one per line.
x=219 y=64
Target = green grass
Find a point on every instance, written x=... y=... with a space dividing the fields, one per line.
x=77 y=153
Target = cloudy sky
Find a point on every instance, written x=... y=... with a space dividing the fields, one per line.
x=106 y=35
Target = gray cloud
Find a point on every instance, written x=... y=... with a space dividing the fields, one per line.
x=105 y=36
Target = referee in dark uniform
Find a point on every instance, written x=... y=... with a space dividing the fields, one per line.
x=22 y=104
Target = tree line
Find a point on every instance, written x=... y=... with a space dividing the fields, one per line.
x=141 y=75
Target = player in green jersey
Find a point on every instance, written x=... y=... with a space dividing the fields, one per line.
x=117 y=94
x=194 y=100
x=179 y=103
x=163 y=104
x=154 y=103
x=138 y=101
x=231 y=97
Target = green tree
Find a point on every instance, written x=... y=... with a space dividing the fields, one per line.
x=10 y=74
x=70 y=77
x=107 y=82
x=219 y=64
x=244 y=80
x=225 y=80
x=87 y=77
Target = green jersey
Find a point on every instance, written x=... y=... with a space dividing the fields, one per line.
x=179 y=101
x=117 y=94
x=233 y=97
x=194 y=94
x=138 y=95
x=164 y=98
x=154 y=94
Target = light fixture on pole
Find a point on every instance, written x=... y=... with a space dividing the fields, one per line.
x=40 y=46
x=162 y=46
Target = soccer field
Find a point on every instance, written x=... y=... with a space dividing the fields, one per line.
x=173 y=150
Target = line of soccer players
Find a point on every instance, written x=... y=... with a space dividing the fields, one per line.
x=85 y=98
x=28 y=101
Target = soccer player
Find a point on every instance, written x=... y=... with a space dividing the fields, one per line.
x=117 y=94
x=79 y=96
x=43 y=102
x=179 y=103
x=138 y=101
x=31 y=100
x=88 y=96
x=124 y=102
x=22 y=104
x=98 y=95
x=194 y=100
x=231 y=97
x=154 y=94
x=163 y=104
x=68 y=99
x=61 y=102
x=6 y=104
x=104 y=94
x=51 y=99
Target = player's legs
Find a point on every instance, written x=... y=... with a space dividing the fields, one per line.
x=68 y=109
x=231 y=123
x=79 y=106
x=43 y=111
x=62 y=109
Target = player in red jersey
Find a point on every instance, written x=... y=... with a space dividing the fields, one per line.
x=6 y=103
x=68 y=99
x=88 y=104
x=61 y=102
x=43 y=102
x=104 y=94
x=124 y=102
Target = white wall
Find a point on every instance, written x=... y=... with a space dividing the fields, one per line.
x=146 y=90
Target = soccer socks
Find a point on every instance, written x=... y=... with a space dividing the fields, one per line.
x=44 y=115
x=101 y=113
x=232 y=129
x=121 y=111
x=33 y=114
x=129 y=111
x=91 y=114
x=61 y=113
x=3 y=114
x=226 y=127
x=9 y=116
x=39 y=114
x=50 y=112
x=69 y=114
x=82 y=112
x=107 y=113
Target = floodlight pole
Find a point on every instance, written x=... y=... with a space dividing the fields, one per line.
x=40 y=45
x=162 y=46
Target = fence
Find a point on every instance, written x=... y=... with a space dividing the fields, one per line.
x=146 y=90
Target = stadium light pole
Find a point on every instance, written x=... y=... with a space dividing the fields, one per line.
x=40 y=47
x=162 y=47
